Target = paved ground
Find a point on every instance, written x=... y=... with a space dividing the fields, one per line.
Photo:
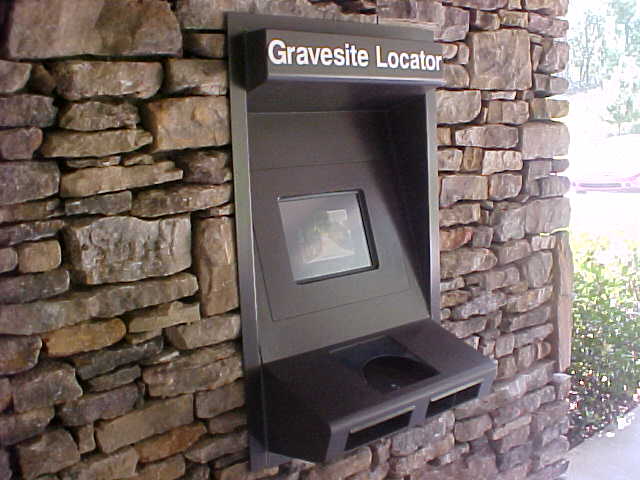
x=612 y=455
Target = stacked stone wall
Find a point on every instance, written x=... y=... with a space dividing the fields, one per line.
x=119 y=321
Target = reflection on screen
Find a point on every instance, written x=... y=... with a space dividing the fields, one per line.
x=325 y=235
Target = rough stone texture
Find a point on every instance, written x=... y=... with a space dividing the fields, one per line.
x=18 y=354
x=207 y=167
x=205 y=332
x=95 y=406
x=465 y=260
x=487 y=136
x=545 y=216
x=155 y=418
x=49 y=453
x=93 y=144
x=50 y=383
x=19 y=143
x=24 y=181
x=164 y=316
x=78 y=79
x=24 y=212
x=179 y=199
x=15 y=428
x=33 y=286
x=215 y=265
x=463 y=187
x=495 y=161
x=460 y=214
x=123 y=249
x=544 y=139
x=168 y=444
x=28 y=232
x=13 y=76
x=108 y=204
x=208 y=45
x=110 y=381
x=226 y=423
x=457 y=106
x=547 y=108
x=504 y=185
x=64 y=28
x=94 y=115
x=39 y=256
x=500 y=60
x=84 y=337
x=455 y=238
x=213 y=447
x=196 y=77
x=5 y=467
x=511 y=113
x=121 y=464
x=27 y=110
x=188 y=122
x=212 y=403
x=449 y=159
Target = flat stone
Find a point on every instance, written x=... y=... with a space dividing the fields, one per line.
x=483 y=304
x=210 y=448
x=495 y=161
x=548 y=26
x=136 y=338
x=196 y=76
x=195 y=14
x=189 y=122
x=461 y=214
x=206 y=377
x=93 y=144
x=49 y=453
x=65 y=28
x=556 y=8
x=409 y=441
x=154 y=248
x=532 y=318
x=98 y=406
x=215 y=265
x=27 y=110
x=487 y=136
x=529 y=300
x=107 y=204
x=547 y=215
x=480 y=4
x=512 y=250
x=215 y=402
x=24 y=181
x=78 y=79
x=84 y=437
x=554 y=186
x=110 y=381
x=208 y=45
x=109 y=161
x=470 y=429
x=466 y=260
x=454 y=238
x=208 y=167
x=94 y=115
x=463 y=329
x=39 y=256
x=179 y=199
x=227 y=422
x=208 y=331
x=16 y=427
x=511 y=113
x=33 y=286
x=457 y=106
x=449 y=159
x=121 y=464
x=164 y=316
x=43 y=316
x=170 y=443
x=89 y=365
x=544 y=139
x=26 y=212
x=401 y=466
x=154 y=418
x=484 y=20
x=504 y=185
x=84 y=337
x=494 y=279
x=537 y=268
x=13 y=76
x=18 y=354
x=138 y=159
x=49 y=383
x=91 y=181
x=455 y=25
x=27 y=232
x=226 y=210
x=547 y=108
x=19 y=143
x=463 y=187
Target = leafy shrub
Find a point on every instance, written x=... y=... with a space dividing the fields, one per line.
x=606 y=335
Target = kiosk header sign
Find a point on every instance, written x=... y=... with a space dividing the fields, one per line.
x=292 y=55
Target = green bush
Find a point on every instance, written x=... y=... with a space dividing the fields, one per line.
x=606 y=334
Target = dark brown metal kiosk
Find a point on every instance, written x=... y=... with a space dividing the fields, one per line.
x=335 y=168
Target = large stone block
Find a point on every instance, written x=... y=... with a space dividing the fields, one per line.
x=512 y=250
x=466 y=260
x=208 y=331
x=189 y=122
x=168 y=444
x=121 y=464
x=96 y=406
x=93 y=144
x=33 y=286
x=28 y=232
x=555 y=56
x=164 y=316
x=17 y=427
x=401 y=466
x=27 y=110
x=484 y=304
x=487 y=136
x=207 y=167
x=494 y=161
x=50 y=383
x=196 y=77
x=24 y=181
x=18 y=354
x=94 y=115
x=215 y=402
x=26 y=212
x=508 y=221
x=179 y=199
x=65 y=28
x=500 y=60
x=124 y=249
x=215 y=265
x=458 y=106
x=156 y=417
x=455 y=25
x=49 y=453
x=547 y=215
x=463 y=187
x=512 y=113
x=84 y=337
x=19 y=143
x=43 y=316
x=544 y=139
